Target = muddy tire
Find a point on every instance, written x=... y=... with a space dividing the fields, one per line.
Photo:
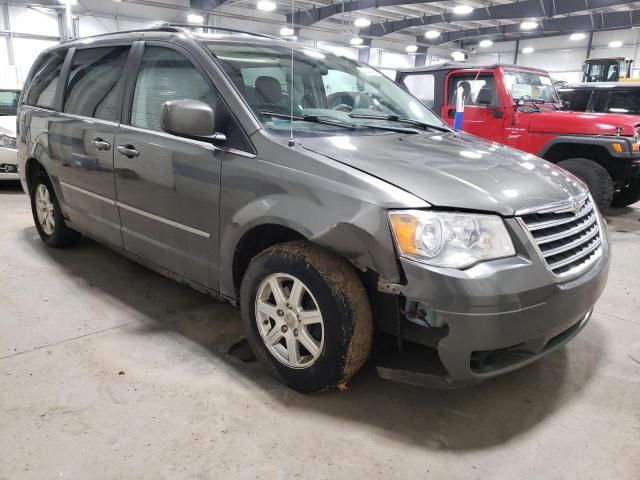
x=595 y=176
x=628 y=195
x=47 y=214
x=306 y=315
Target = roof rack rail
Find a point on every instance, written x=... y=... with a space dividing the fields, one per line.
x=181 y=27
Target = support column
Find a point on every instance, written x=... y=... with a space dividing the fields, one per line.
x=515 y=54
x=421 y=56
x=364 y=51
x=589 y=44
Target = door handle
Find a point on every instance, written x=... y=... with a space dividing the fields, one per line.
x=100 y=144
x=451 y=113
x=128 y=151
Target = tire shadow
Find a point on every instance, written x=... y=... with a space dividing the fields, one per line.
x=478 y=417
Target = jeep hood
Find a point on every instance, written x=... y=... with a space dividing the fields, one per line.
x=562 y=122
x=453 y=170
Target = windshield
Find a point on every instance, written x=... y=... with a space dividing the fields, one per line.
x=530 y=86
x=332 y=90
x=8 y=102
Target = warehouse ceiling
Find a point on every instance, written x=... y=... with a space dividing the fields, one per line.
x=498 y=20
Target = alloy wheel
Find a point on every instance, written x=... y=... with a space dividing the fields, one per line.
x=289 y=320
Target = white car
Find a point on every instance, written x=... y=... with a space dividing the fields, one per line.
x=8 y=152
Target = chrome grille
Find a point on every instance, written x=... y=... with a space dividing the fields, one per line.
x=570 y=241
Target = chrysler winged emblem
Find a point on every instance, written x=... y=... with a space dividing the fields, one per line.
x=575 y=205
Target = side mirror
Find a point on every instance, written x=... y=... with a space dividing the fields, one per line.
x=520 y=102
x=191 y=119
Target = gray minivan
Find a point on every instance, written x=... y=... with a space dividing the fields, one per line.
x=215 y=158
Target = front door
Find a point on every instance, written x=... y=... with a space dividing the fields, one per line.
x=86 y=132
x=483 y=113
x=168 y=187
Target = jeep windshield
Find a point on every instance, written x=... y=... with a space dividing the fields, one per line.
x=323 y=93
x=530 y=86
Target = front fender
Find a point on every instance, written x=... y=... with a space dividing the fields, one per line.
x=332 y=205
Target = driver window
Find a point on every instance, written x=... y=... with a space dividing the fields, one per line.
x=164 y=75
x=477 y=90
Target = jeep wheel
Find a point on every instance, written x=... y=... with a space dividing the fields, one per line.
x=47 y=214
x=306 y=315
x=595 y=176
x=628 y=195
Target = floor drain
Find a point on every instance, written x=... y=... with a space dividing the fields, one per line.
x=242 y=351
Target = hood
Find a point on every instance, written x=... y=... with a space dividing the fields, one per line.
x=582 y=123
x=453 y=170
x=8 y=126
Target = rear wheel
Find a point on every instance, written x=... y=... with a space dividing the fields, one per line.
x=306 y=315
x=628 y=195
x=595 y=176
x=47 y=214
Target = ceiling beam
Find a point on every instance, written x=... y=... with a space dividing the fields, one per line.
x=206 y=4
x=540 y=9
x=553 y=26
x=308 y=17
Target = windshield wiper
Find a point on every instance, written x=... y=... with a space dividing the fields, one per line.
x=402 y=119
x=324 y=119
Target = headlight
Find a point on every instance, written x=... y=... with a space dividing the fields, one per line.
x=7 y=142
x=455 y=240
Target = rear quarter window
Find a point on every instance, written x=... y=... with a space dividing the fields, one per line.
x=41 y=91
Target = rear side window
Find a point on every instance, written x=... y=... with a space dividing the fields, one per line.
x=166 y=74
x=578 y=99
x=92 y=88
x=44 y=82
x=619 y=101
x=422 y=86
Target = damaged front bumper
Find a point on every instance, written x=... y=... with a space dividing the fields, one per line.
x=489 y=319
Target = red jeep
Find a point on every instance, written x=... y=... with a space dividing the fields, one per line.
x=519 y=107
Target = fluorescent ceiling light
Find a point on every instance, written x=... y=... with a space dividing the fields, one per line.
x=528 y=50
x=194 y=18
x=362 y=22
x=411 y=48
x=529 y=25
x=462 y=9
x=431 y=34
x=615 y=44
x=266 y=5
x=577 y=36
x=286 y=31
x=356 y=41
x=485 y=43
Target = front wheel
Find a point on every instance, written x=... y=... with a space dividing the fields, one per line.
x=306 y=315
x=628 y=195
x=595 y=176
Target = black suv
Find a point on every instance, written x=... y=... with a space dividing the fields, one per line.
x=604 y=97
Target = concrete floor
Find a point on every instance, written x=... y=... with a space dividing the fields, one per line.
x=108 y=370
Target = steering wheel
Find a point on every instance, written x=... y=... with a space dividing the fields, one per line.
x=342 y=107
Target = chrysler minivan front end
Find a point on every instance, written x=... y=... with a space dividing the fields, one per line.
x=501 y=292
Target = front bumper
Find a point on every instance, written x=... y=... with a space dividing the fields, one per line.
x=500 y=315
x=9 y=164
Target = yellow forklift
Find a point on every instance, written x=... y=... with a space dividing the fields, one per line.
x=611 y=69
